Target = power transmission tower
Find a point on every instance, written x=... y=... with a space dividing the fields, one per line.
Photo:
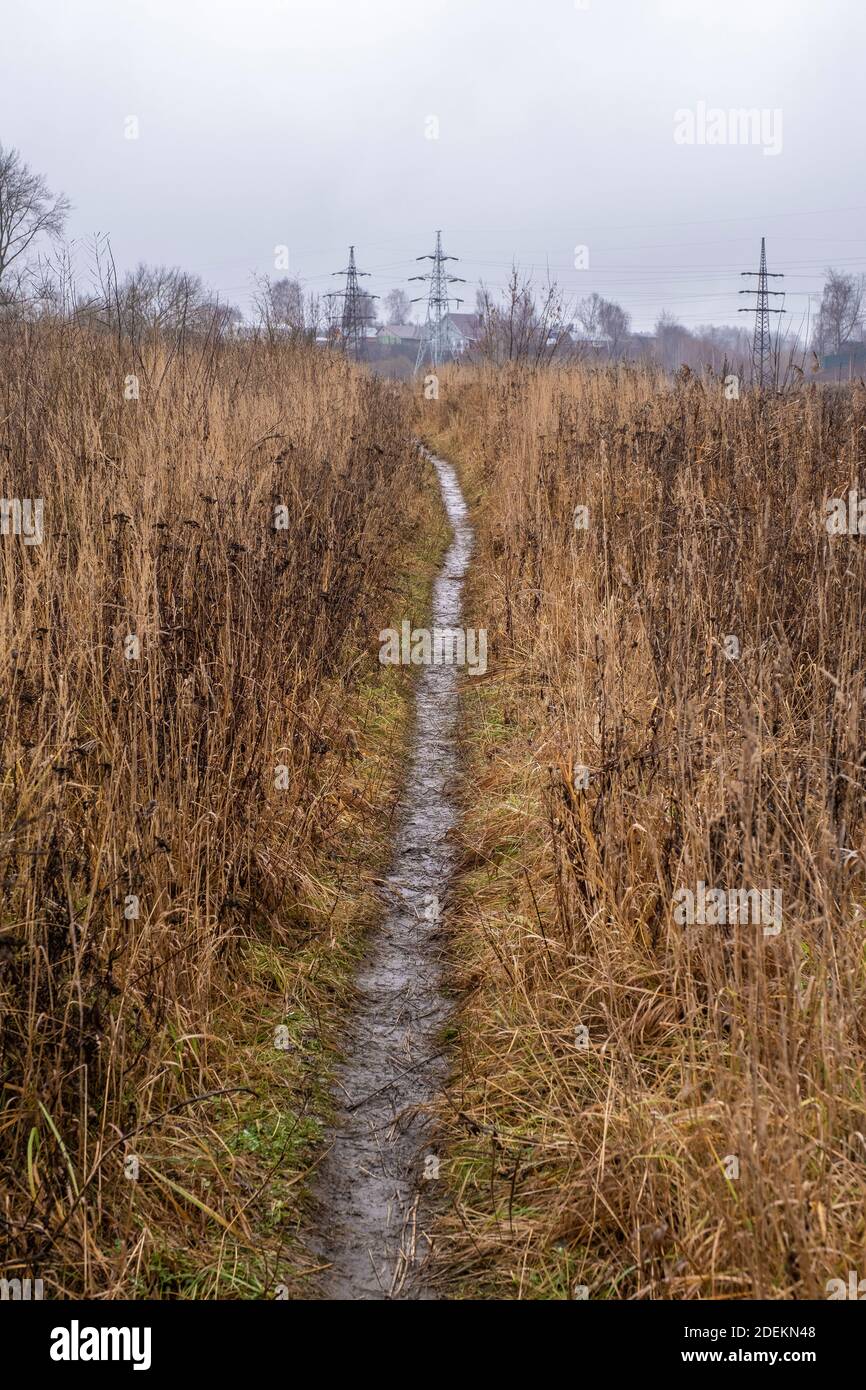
x=762 y=344
x=434 y=340
x=355 y=316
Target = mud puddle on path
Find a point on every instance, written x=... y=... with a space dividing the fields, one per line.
x=374 y=1185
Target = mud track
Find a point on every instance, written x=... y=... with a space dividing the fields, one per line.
x=378 y=1181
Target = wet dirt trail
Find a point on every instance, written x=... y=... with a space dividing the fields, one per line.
x=378 y=1178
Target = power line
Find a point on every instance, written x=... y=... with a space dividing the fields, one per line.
x=435 y=341
x=356 y=314
x=762 y=343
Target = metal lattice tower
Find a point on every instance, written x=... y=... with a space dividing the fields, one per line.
x=434 y=341
x=762 y=344
x=355 y=316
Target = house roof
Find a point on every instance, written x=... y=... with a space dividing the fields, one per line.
x=411 y=331
x=467 y=324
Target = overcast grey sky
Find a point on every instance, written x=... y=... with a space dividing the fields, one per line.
x=307 y=123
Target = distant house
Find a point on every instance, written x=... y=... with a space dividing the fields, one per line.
x=464 y=331
x=849 y=361
x=399 y=334
x=582 y=337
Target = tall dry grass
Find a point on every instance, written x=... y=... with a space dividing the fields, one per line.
x=645 y=1109
x=148 y=780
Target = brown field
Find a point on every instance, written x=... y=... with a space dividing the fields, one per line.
x=614 y=1063
x=154 y=779
x=639 y=1108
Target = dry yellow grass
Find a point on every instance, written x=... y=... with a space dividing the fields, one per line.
x=641 y=1108
x=169 y=898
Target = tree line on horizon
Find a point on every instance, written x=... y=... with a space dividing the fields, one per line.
x=520 y=322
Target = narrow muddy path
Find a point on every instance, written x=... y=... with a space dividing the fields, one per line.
x=379 y=1177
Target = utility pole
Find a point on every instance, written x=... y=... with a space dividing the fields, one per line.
x=355 y=316
x=434 y=341
x=762 y=346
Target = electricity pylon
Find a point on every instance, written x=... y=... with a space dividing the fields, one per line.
x=762 y=345
x=356 y=315
x=434 y=340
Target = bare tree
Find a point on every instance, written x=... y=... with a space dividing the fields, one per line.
x=588 y=313
x=508 y=324
x=672 y=340
x=367 y=308
x=279 y=306
x=396 y=306
x=841 y=311
x=161 y=298
x=604 y=318
x=287 y=303
x=517 y=328
x=215 y=317
x=28 y=209
x=315 y=314
x=615 y=324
